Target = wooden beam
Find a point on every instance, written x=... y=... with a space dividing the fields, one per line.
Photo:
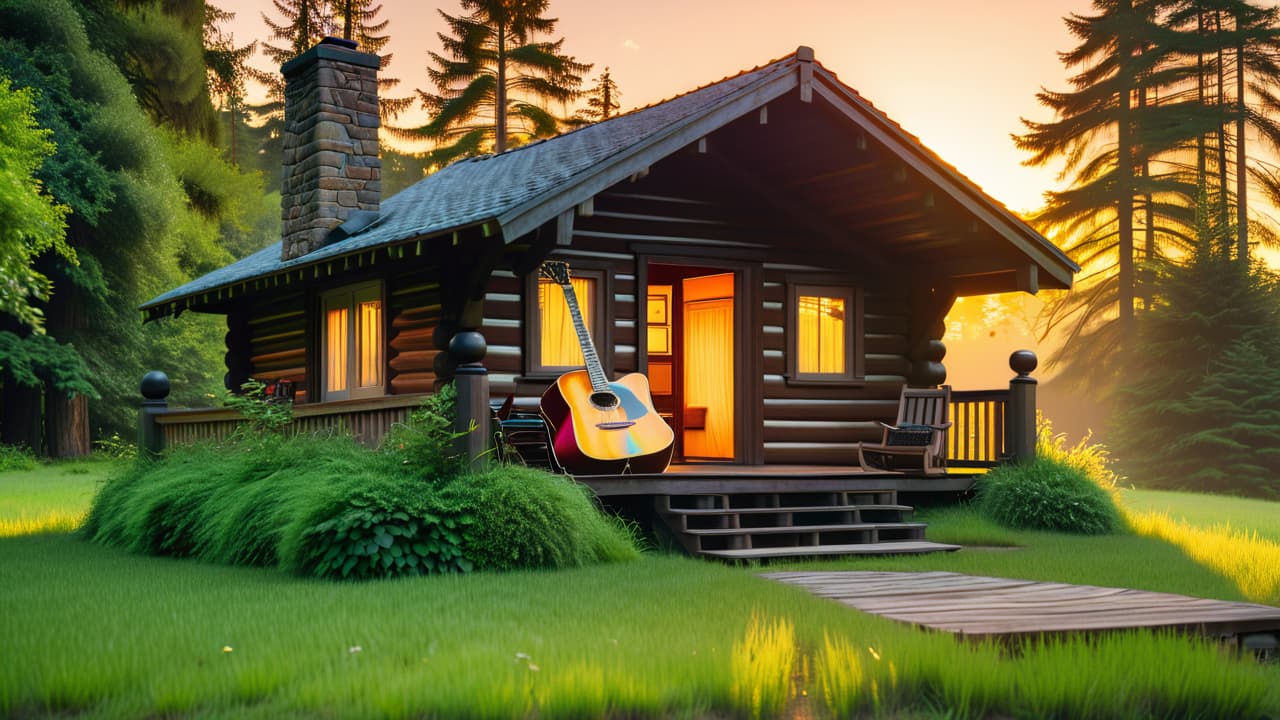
x=764 y=114
x=1029 y=278
x=587 y=207
x=804 y=55
x=564 y=228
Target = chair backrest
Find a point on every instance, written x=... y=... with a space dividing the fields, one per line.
x=924 y=406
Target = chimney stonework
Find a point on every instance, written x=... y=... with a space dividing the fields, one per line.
x=331 y=166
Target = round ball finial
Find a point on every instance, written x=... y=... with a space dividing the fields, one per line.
x=155 y=385
x=467 y=347
x=1023 y=362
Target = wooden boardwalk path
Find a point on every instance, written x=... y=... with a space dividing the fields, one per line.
x=980 y=607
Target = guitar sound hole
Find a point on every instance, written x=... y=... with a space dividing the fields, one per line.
x=604 y=400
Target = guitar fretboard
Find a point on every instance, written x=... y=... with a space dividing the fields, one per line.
x=595 y=371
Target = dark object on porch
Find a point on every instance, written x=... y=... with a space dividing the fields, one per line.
x=521 y=437
x=922 y=415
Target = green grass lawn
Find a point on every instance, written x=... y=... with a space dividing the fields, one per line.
x=1202 y=510
x=95 y=631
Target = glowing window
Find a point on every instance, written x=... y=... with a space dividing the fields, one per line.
x=552 y=346
x=353 y=361
x=825 y=334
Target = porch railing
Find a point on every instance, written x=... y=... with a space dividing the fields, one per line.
x=368 y=421
x=977 y=434
x=989 y=427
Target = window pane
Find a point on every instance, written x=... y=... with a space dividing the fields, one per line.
x=559 y=344
x=336 y=350
x=370 y=343
x=820 y=336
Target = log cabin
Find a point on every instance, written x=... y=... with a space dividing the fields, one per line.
x=773 y=252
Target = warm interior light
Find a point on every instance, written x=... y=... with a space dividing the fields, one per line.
x=559 y=345
x=336 y=350
x=820 y=339
x=369 y=331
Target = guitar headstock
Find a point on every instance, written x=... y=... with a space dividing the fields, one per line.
x=555 y=270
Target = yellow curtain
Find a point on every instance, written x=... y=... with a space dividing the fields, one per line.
x=560 y=346
x=369 y=331
x=336 y=350
x=708 y=376
x=820 y=336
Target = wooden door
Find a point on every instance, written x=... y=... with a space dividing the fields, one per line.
x=707 y=351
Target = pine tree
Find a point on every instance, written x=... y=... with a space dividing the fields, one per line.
x=602 y=100
x=1200 y=406
x=494 y=79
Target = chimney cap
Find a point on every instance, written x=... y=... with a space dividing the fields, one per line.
x=340 y=42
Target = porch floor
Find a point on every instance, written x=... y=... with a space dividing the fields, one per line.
x=723 y=478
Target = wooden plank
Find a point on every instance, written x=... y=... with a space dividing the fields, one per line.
x=981 y=606
x=913 y=547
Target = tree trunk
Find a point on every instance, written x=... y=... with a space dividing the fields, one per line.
x=1202 y=175
x=67 y=426
x=1224 y=200
x=1124 y=185
x=20 y=416
x=1242 y=186
x=500 y=93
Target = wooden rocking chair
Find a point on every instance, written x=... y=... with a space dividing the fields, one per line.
x=919 y=435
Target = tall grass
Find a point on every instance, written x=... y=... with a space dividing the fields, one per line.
x=1249 y=561
x=1205 y=510
x=762 y=665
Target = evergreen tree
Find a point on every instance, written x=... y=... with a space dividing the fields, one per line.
x=602 y=100
x=494 y=80
x=1200 y=407
x=228 y=71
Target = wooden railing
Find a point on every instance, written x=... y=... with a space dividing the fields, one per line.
x=977 y=435
x=368 y=421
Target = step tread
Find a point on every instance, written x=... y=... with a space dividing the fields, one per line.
x=806 y=508
x=911 y=547
x=805 y=528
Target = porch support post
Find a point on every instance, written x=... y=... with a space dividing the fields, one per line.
x=1020 y=424
x=155 y=391
x=471 y=379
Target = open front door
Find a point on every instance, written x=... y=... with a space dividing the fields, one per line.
x=707 y=360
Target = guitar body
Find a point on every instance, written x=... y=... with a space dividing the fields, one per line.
x=629 y=438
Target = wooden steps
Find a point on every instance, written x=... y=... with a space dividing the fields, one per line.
x=771 y=525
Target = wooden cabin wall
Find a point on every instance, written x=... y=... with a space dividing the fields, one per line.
x=414 y=311
x=277 y=342
x=821 y=423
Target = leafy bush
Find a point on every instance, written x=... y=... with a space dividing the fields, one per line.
x=117 y=448
x=427 y=442
x=1047 y=494
x=329 y=508
x=1067 y=489
x=262 y=413
x=16 y=457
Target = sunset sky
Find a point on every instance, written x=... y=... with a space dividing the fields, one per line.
x=958 y=75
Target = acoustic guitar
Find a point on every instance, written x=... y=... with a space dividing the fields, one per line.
x=598 y=426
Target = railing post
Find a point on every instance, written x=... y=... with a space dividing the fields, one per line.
x=1020 y=423
x=155 y=391
x=471 y=379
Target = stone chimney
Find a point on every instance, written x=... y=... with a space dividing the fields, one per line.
x=331 y=165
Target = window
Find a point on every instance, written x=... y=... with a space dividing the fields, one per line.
x=552 y=346
x=352 y=362
x=825 y=334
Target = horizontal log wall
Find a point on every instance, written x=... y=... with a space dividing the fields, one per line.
x=415 y=312
x=822 y=424
x=277 y=343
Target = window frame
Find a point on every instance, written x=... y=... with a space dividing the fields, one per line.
x=350 y=297
x=854 y=332
x=601 y=331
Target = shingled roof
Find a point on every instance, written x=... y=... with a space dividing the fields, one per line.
x=518 y=190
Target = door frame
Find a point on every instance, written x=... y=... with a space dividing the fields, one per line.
x=748 y=395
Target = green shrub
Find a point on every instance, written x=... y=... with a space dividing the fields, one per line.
x=1047 y=494
x=329 y=508
x=16 y=457
x=525 y=517
x=426 y=444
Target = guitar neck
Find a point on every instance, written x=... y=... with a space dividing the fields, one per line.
x=595 y=371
